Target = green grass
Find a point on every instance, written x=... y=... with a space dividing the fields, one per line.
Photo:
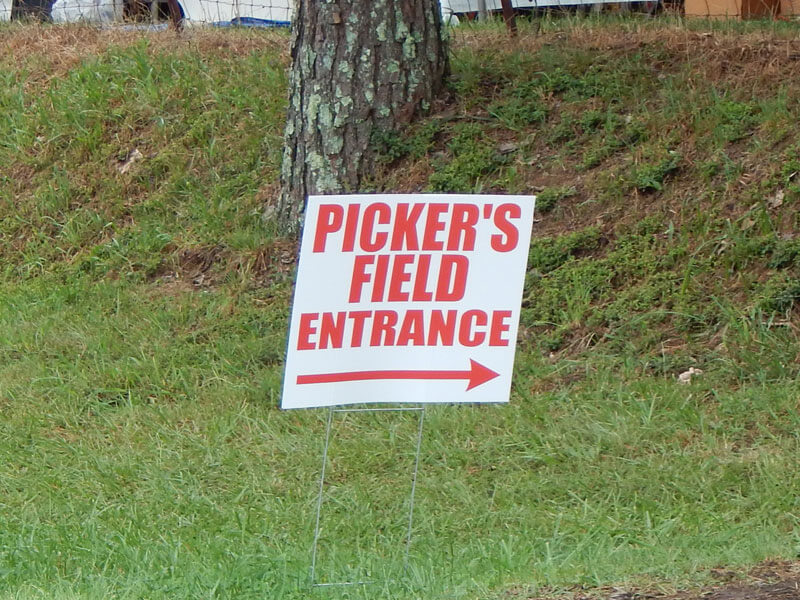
x=143 y=319
x=66 y=206
x=143 y=455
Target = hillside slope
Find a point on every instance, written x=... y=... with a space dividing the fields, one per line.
x=143 y=307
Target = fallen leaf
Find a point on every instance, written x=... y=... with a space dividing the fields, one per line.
x=507 y=147
x=686 y=376
x=776 y=200
x=126 y=165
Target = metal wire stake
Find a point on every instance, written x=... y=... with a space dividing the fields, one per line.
x=328 y=428
x=319 y=497
x=413 y=488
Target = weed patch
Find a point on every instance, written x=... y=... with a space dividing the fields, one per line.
x=650 y=176
x=548 y=198
x=474 y=158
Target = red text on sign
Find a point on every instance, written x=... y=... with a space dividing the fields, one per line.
x=408 y=277
x=411 y=227
x=382 y=328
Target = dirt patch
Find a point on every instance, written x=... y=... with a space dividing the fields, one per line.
x=267 y=264
x=771 y=580
x=784 y=589
x=197 y=267
x=204 y=267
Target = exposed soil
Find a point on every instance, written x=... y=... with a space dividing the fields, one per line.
x=771 y=580
x=208 y=266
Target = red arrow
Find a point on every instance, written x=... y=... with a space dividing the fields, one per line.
x=477 y=374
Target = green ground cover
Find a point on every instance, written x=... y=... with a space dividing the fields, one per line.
x=143 y=317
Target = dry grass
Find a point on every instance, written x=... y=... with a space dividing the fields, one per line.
x=759 y=55
x=52 y=51
x=66 y=45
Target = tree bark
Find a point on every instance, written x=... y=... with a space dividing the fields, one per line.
x=358 y=66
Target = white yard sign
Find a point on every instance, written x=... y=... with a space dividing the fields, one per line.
x=407 y=298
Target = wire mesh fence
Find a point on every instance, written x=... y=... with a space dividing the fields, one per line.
x=254 y=13
x=278 y=13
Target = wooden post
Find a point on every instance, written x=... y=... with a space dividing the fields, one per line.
x=508 y=17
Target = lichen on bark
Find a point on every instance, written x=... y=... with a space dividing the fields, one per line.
x=357 y=67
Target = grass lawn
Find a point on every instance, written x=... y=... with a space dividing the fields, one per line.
x=143 y=318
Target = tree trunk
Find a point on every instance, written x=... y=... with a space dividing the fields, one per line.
x=358 y=66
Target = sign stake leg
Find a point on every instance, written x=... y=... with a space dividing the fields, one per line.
x=319 y=496
x=413 y=488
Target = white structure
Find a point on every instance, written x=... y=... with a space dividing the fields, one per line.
x=264 y=11
x=465 y=6
x=88 y=11
x=212 y=11
x=195 y=11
